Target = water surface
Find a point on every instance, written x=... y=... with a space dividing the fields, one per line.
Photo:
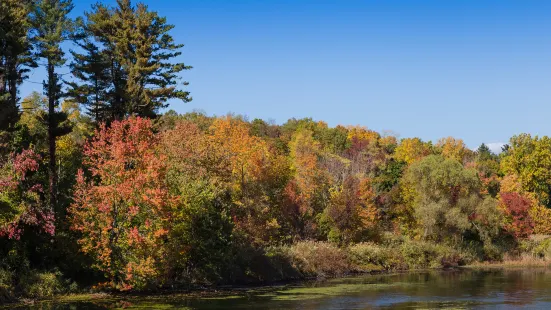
x=462 y=289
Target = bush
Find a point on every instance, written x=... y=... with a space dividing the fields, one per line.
x=280 y=261
x=45 y=285
x=421 y=254
x=373 y=257
x=252 y=264
x=537 y=247
x=418 y=254
x=320 y=259
x=6 y=292
x=42 y=285
x=405 y=254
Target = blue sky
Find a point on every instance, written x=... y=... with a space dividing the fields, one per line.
x=476 y=70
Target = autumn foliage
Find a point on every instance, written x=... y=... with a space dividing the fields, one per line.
x=197 y=199
x=122 y=207
x=516 y=208
x=21 y=197
x=193 y=198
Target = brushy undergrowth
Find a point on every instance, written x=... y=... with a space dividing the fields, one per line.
x=325 y=259
x=405 y=256
x=33 y=285
x=308 y=259
x=320 y=259
x=6 y=289
x=532 y=252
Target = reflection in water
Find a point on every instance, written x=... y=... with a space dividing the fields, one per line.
x=462 y=289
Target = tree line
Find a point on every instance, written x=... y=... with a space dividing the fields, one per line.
x=99 y=188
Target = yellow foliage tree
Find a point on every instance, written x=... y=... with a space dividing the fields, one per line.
x=454 y=149
x=411 y=150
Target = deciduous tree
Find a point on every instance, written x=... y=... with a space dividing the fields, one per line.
x=529 y=159
x=123 y=208
x=446 y=196
x=516 y=209
x=411 y=150
x=21 y=196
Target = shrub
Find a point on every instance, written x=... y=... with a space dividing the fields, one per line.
x=281 y=263
x=319 y=259
x=421 y=254
x=6 y=292
x=405 y=254
x=372 y=257
x=43 y=285
x=538 y=248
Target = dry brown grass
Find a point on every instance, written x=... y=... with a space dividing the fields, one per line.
x=323 y=259
x=524 y=260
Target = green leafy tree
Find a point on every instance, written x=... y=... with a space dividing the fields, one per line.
x=487 y=164
x=529 y=159
x=446 y=196
x=34 y=116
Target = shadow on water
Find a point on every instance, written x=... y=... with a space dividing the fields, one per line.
x=459 y=289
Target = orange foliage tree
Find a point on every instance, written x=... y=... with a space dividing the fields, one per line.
x=351 y=215
x=252 y=172
x=121 y=204
x=232 y=161
x=310 y=183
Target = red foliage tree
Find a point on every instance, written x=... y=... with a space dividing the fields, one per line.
x=123 y=209
x=516 y=208
x=21 y=197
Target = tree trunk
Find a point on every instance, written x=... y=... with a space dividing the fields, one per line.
x=52 y=172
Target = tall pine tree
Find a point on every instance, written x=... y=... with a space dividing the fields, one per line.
x=91 y=88
x=15 y=57
x=52 y=26
x=137 y=56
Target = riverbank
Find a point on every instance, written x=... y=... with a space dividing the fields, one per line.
x=299 y=261
x=410 y=282
x=290 y=264
x=142 y=300
x=523 y=261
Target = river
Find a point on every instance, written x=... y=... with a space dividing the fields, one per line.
x=458 y=289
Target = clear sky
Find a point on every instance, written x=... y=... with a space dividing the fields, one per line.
x=476 y=70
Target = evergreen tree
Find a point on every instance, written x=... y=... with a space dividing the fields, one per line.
x=92 y=88
x=100 y=27
x=51 y=26
x=137 y=58
x=148 y=59
x=15 y=57
x=484 y=153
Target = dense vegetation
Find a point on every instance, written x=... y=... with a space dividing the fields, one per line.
x=99 y=189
